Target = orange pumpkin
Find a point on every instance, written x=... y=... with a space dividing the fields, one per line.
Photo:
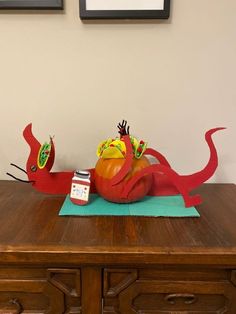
x=106 y=169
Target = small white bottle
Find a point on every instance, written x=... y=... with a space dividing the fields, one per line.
x=80 y=187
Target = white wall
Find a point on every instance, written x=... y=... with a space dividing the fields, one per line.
x=172 y=80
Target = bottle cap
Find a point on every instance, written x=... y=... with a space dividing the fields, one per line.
x=83 y=174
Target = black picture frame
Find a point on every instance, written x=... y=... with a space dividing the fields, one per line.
x=31 y=4
x=124 y=14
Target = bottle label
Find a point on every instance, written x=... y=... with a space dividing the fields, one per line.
x=79 y=191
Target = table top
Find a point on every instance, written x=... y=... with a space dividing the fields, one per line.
x=32 y=231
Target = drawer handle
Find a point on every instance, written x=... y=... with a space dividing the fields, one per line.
x=188 y=298
x=17 y=304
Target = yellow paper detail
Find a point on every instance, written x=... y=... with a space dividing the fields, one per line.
x=115 y=148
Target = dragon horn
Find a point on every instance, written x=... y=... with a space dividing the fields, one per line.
x=30 y=139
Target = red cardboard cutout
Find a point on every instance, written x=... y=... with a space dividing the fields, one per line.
x=165 y=180
x=42 y=179
x=128 y=162
x=168 y=182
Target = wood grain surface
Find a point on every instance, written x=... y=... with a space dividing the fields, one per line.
x=31 y=228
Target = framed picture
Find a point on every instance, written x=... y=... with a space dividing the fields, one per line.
x=31 y=4
x=124 y=9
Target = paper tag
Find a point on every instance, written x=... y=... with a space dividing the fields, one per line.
x=80 y=192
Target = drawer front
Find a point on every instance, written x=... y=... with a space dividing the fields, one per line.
x=44 y=291
x=168 y=291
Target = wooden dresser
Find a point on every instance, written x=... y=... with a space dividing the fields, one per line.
x=116 y=265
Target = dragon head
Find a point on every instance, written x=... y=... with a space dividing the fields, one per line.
x=40 y=160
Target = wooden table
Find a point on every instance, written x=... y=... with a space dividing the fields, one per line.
x=90 y=265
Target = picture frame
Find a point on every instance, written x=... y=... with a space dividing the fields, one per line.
x=124 y=9
x=31 y=4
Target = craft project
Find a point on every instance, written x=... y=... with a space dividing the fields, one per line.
x=39 y=174
x=123 y=173
x=120 y=160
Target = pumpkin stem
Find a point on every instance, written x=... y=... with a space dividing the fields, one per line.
x=123 y=128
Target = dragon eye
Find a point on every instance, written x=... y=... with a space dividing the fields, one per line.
x=33 y=168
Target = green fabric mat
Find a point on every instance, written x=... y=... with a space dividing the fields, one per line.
x=152 y=206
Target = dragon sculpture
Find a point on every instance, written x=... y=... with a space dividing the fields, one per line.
x=163 y=179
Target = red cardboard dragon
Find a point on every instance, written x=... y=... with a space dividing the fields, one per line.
x=123 y=173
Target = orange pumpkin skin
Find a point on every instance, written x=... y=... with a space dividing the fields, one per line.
x=106 y=169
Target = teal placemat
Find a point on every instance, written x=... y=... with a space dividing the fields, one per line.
x=152 y=206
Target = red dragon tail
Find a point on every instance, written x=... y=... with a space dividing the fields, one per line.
x=196 y=179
